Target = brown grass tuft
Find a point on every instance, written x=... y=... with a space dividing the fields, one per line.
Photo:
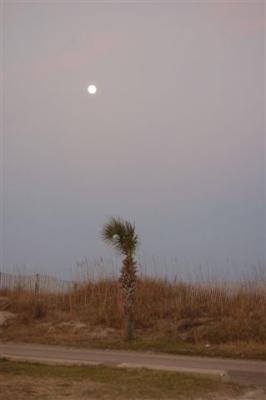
x=193 y=313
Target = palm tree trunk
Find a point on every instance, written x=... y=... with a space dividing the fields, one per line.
x=128 y=283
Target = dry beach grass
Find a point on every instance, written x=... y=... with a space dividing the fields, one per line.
x=178 y=317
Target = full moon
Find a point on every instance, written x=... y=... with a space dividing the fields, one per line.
x=92 y=89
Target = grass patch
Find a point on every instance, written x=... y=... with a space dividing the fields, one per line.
x=34 y=381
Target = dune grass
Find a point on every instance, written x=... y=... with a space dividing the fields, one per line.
x=176 y=317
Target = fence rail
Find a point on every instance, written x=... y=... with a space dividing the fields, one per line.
x=40 y=283
x=36 y=282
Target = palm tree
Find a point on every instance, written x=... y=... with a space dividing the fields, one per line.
x=121 y=235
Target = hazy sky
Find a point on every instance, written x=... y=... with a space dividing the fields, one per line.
x=174 y=139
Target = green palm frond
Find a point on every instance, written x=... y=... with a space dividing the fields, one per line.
x=121 y=235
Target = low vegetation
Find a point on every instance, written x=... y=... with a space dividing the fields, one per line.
x=24 y=381
x=175 y=317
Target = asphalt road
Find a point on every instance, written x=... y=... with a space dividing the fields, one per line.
x=242 y=371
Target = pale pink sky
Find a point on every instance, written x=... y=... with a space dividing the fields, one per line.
x=174 y=138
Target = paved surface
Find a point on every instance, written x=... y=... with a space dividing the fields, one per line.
x=242 y=371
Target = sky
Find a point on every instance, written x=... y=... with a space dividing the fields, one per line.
x=173 y=140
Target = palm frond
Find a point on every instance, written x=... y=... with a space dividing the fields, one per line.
x=121 y=235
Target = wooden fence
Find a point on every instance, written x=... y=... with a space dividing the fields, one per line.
x=36 y=282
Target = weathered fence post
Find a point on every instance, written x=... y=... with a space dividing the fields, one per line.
x=37 y=284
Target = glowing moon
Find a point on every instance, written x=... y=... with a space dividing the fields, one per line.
x=92 y=89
